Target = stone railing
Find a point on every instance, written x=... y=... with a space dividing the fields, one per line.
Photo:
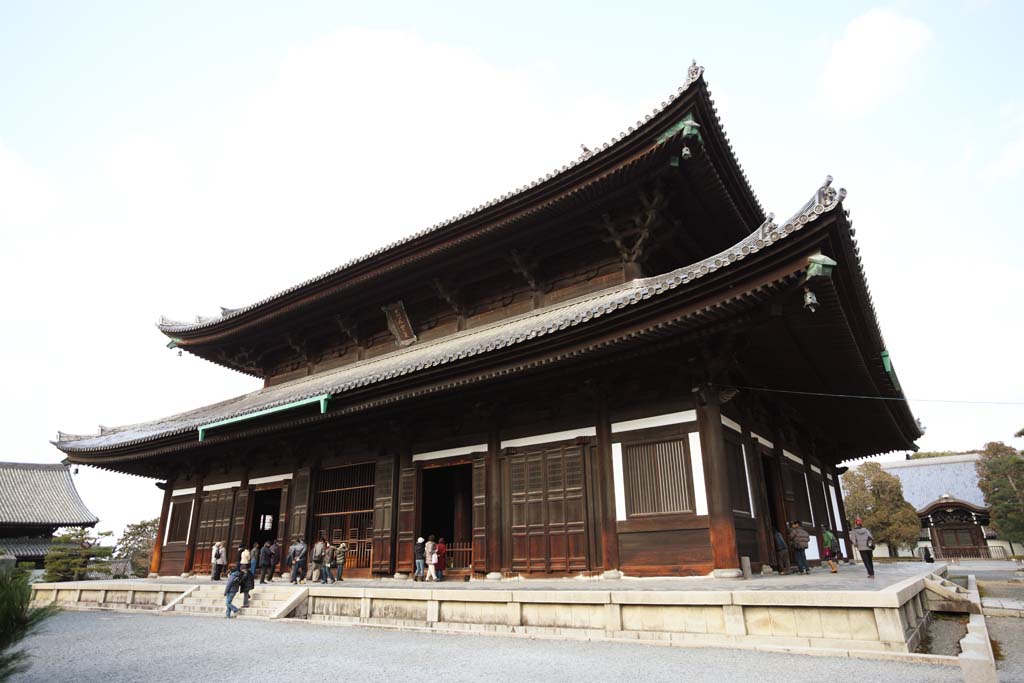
x=117 y=595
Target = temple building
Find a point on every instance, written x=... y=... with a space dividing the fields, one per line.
x=35 y=501
x=624 y=366
x=954 y=516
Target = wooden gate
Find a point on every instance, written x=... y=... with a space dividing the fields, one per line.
x=383 y=514
x=215 y=517
x=343 y=506
x=548 y=500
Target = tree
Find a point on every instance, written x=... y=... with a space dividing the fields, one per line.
x=136 y=545
x=876 y=497
x=74 y=555
x=1019 y=434
x=17 y=620
x=1001 y=479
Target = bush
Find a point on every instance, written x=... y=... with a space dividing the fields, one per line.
x=17 y=620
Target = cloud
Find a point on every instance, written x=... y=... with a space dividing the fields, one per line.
x=26 y=196
x=1010 y=159
x=872 y=61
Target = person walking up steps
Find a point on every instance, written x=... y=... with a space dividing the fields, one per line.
x=247 y=583
x=864 y=542
x=799 y=539
x=231 y=590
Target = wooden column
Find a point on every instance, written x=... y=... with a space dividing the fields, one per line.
x=493 y=500
x=193 y=527
x=809 y=486
x=724 y=552
x=841 y=511
x=765 y=543
x=161 y=530
x=606 y=491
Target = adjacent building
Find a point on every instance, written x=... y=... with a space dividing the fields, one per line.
x=35 y=501
x=624 y=365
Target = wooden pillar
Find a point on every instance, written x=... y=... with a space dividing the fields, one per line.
x=841 y=511
x=493 y=501
x=809 y=486
x=606 y=490
x=193 y=527
x=283 y=542
x=161 y=530
x=765 y=543
x=724 y=552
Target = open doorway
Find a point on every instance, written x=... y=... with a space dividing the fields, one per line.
x=266 y=506
x=447 y=511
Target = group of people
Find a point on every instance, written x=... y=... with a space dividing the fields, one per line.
x=430 y=556
x=799 y=539
x=326 y=562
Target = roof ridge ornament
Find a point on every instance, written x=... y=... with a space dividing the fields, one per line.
x=769 y=226
x=693 y=72
x=586 y=153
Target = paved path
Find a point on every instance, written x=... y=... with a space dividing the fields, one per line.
x=112 y=648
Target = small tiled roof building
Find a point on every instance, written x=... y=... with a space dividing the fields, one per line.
x=35 y=501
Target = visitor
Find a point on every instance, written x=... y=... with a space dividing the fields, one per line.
x=247 y=583
x=340 y=555
x=266 y=563
x=319 y=549
x=799 y=539
x=222 y=559
x=215 y=565
x=442 y=557
x=231 y=590
x=254 y=559
x=297 y=559
x=417 y=553
x=275 y=557
x=244 y=558
x=430 y=555
x=781 y=552
x=864 y=542
x=327 y=575
x=831 y=550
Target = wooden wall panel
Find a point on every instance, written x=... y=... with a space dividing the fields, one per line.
x=480 y=513
x=408 y=494
x=214 y=524
x=383 y=516
x=172 y=559
x=678 y=552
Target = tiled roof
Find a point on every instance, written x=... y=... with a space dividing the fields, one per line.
x=22 y=548
x=36 y=494
x=539 y=323
x=695 y=74
x=926 y=480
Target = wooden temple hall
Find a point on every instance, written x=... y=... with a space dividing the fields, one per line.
x=571 y=378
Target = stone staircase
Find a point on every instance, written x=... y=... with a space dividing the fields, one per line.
x=943 y=595
x=264 y=601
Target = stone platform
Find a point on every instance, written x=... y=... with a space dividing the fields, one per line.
x=836 y=613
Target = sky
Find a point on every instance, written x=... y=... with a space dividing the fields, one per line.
x=172 y=158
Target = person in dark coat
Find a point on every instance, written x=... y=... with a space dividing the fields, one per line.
x=266 y=563
x=275 y=557
x=781 y=553
x=297 y=559
x=799 y=539
x=340 y=555
x=231 y=590
x=247 y=584
x=254 y=559
x=442 y=558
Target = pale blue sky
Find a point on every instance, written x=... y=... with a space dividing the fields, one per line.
x=173 y=157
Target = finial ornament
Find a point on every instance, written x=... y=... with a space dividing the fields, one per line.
x=768 y=227
x=586 y=153
x=694 y=72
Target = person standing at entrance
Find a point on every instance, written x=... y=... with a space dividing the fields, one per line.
x=831 y=550
x=442 y=557
x=297 y=558
x=222 y=559
x=215 y=564
x=244 y=558
x=864 y=542
x=266 y=563
x=319 y=550
x=254 y=559
x=799 y=539
x=781 y=553
x=275 y=557
x=430 y=555
x=327 y=575
x=418 y=555
x=340 y=555
x=231 y=590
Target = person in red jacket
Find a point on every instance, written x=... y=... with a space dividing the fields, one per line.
x=442 y=551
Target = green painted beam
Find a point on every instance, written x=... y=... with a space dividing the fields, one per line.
x=322 y=400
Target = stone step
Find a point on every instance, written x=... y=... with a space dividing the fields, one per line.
x=220 y=610
x=265 y=600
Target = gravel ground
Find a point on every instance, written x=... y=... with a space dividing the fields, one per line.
x=1009 y=632
x=109 y=647
x=1002 y=589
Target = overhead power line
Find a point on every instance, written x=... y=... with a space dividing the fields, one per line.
x=869 y=398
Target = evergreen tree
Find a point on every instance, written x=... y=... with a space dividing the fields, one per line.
x=136 y=545
x=75 y=554
x=876 y=497
x=1001 y=479
x=17 y=620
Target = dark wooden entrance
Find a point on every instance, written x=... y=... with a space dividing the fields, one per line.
x=546 y=526
x=343 y=511
x=447 y=510
x=263 y=521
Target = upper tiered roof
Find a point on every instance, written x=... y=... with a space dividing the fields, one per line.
x=37 y=495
